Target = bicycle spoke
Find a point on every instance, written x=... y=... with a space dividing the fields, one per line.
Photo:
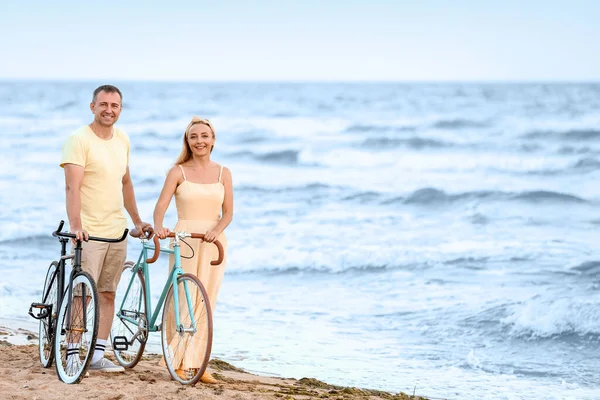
x=131 y=294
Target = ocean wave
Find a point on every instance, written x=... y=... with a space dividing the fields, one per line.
x=570 y=150
x=31 y=240
x=413 y=143
x=248 y=139
x=150 y=181
x=424 y=197
x=285 y=157
x=67 y=105
x=479 y=219
x=467 y=260
x=151 y=147
x=311 y=187
x=428 y=196
x=459 y=124
x=362 y=128
x=584 y=134
x=280 y=157
x=548 y=196
x=587 y=163
x=540 y=318
x=359 y=269
x=587 y=268
x=571 y=135
x=315 y=190
x=529 y=147
x=363 y=197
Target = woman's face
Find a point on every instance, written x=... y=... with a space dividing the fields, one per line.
x=201 y=139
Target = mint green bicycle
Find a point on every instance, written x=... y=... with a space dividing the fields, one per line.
x=186 y=325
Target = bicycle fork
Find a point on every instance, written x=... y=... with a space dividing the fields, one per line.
x=76 y=270
x=180 y=328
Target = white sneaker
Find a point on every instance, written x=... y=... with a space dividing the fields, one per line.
x=105 y=365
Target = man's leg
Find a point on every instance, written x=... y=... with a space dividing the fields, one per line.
x=107 y=286
x=92 y=256
x=107 y=310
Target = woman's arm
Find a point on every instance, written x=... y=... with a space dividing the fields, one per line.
x=227 y=208
x=164 y=200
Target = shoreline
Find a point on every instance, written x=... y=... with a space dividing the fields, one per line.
x=25 y=378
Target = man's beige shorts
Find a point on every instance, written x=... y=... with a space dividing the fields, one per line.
x=104 y=261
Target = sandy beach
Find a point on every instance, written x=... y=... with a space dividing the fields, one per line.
x=24 y=378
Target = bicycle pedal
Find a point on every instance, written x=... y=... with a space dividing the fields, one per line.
x=120 y=343
x=44 y=310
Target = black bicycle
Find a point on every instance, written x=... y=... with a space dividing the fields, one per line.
x=68 y=315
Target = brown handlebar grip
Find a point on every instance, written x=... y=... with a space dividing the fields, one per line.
x=157 y=248
x=219 y=260
x=156 y=251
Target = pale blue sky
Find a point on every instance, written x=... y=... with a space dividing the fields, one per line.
x=420 y=40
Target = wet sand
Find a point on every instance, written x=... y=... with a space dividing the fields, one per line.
x=23 y=377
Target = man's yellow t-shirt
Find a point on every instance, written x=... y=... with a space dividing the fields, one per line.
x=104 y=164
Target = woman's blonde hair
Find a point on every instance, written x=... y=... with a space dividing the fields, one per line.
x=186 y=151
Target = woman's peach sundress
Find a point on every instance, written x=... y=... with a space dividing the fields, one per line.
x=199 y=210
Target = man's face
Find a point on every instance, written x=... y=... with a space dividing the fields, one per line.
x=106 y=108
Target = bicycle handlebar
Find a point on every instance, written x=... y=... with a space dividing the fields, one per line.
x=58 y=233
x=154 y=257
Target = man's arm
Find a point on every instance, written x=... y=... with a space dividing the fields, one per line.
x=73 y=179
x=130 y=203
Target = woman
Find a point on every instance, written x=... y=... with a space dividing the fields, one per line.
x=204 y=199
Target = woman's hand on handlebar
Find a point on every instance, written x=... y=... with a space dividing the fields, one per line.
x=211 y=236
x=161 y=232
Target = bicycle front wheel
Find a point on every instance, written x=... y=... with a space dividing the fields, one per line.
x=48 y=324
x=186 y=347
x=129 y=331
x=75 y=338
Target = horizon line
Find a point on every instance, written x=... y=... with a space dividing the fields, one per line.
x=307 y=81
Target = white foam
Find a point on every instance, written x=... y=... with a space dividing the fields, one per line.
x=543 y=317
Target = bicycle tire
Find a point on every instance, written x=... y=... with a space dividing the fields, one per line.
x=174 y=347
x=48 y=324
x=72 y=369
x=134 y=307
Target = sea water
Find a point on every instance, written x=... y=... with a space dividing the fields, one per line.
x=435 y=238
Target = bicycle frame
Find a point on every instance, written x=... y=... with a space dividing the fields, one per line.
x=59 y=275
x=171 y=282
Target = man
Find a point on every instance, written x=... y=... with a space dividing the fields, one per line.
x=98 y=184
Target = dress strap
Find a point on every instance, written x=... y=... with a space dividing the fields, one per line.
x=184 y=178
x=220 y=173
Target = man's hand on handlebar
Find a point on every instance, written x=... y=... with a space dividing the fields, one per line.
x=80 y=234
x=146 y=228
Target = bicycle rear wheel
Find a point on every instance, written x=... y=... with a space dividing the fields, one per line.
x=187 y=347
x=130 y=324
x=48 y=324
x=75 y=339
